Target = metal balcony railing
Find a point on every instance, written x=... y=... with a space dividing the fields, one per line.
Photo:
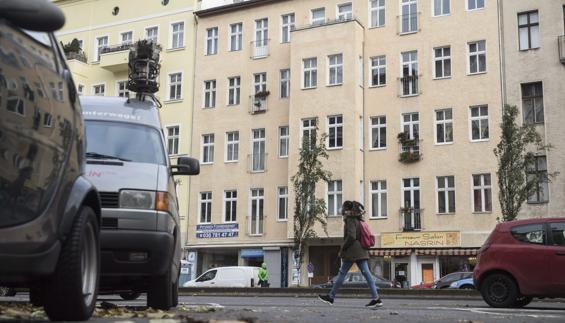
x=409 y=85
x=258 y=104
x=115 y=48
x=411 y=219
x=260 y=48
x=257 y=162
x=561 y=45
x=79 y=56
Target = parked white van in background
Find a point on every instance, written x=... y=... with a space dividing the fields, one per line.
x=227 y=277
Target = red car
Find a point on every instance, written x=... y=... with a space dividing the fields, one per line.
x=521 y=260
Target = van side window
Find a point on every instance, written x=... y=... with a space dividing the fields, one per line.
x=207 y=276
x=532 y=233
x=558 y=233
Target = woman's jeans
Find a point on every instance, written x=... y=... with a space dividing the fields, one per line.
x=363 y=265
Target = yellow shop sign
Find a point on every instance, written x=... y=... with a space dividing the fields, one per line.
x=420 y=239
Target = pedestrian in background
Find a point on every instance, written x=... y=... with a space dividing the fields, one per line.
x=352 y=252
x=263 y=276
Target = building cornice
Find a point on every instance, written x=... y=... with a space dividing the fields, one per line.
x=233 y=7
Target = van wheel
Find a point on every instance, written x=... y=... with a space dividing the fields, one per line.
x=36 y=296
x=75 y=281
x=522 y=301
x=130 y=296
x=160 y=292
x=499 y=290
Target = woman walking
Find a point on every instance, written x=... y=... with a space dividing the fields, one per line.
x=352 y=252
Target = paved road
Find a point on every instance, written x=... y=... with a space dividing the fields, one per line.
x=291 y=309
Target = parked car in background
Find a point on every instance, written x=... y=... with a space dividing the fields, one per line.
x=424 y=285
x=357 y=280
x=521 y=260
x=446 y=280
x=237 y=276
x=465 y=283
x=49 y=211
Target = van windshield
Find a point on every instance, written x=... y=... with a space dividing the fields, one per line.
x=124 y=141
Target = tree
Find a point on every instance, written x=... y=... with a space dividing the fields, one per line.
x=72 y=47
x=516 y=154
x=309 y=210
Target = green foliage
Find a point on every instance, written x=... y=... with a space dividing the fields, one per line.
x=72 y=47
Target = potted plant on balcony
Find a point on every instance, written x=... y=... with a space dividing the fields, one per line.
x=72 y=50
x=409 y=148
x=260 y=97
x=406 y=141
x=409 y=157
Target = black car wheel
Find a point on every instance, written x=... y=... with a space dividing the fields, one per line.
x=160 y=294
x=130 y=296
x=522 y=301
x=499 y=290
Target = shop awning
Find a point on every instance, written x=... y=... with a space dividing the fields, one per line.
x=251 y=253
x=390 y=252
x=448 y=252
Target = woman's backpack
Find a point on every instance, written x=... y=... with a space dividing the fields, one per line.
x=367 y=238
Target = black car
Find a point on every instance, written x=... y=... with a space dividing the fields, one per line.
x=357 y=280
x=49 y=212
x=446 y=280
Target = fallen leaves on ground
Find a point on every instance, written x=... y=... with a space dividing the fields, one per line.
x=21 y=311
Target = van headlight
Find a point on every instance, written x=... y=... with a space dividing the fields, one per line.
x=130 y=199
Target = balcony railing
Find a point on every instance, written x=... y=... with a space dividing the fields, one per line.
x=409 y=85
x=408 y=23
x=79 y=56
x=327 y=22
x=258 y=104
x=411 y=219
x=410 y=149
x=259 y=48
x=115 y=48
x=257 y=162
x=561 y=43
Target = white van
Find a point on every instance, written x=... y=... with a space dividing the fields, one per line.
x=227 y=277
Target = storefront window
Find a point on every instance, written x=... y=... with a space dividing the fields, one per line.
x=451 y=264
x=380 y=266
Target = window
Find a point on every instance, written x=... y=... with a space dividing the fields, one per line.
x=410 y=206
x=16 y=105
x=282 y=203
x=47 y=120
x=206 y=207
x=209 y=94
x=411 y=124
x=230 y=206
x=212 y=41
x=308 y=131
x=208 y=149
x=475 y=4
x=285 y=83
x=345 y=11
x=377 y=12
x=334 y=197
x=152 y=34
x=80 y=89
x=310 y=72
x=173 y=137
x=558 y=233
x=177 y=40
x=335 y=66
x=259 y=82
x=258 y=150
x=335 y=130
x=444 y=126
x=378 y=70
x=236 y=37
x=532 y=102
x=261 y=36
x=445 y=194
x=442 y=62
x=99 y=89
x=122 y=89
x=479 y=123
x=442 y=7
x=232 y=146
x=528 y=30
x=538 y=169
x=287 y=25
x=209 y=275
x=482 y=199
x=379 y=208
x=477 y=57
x=175 y=86
x=409 y=77
x=408 y=16
x=283 y=141
x=318 y=16
x=101 y=43
x=126 y=38
x=531 y=233
x=378 y=132
x=257 y=202
x=234 y=90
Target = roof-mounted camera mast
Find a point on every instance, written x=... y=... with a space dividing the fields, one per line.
x=144 y=70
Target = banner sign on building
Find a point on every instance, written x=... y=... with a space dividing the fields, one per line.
x=420 y=239
x=228 y=230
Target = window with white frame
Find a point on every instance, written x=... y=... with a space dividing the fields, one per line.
x=212 y=41
x=335 y=69
x=442 y=62
x=445 y=194
x=234 y=90
x=122 y=89
x=258 y=150
x=232 y=146
x=408 y=16
x=538 y=169
x=528 y=30
x=287 y=25
x=47 y=120
x=208 y=148
x=261 y=33
x=479 y=123
x=308 y=132
x=310 y=67
x=411 y=124
x=236 y=37
x=411 y=193
x=378 y=132
x=379 y=203
x=152 y=34
x=345 y=11
x=285 y=83
x=334 y=197
x=99 y=89
x=259 y=82
x=230 y=206
x=257 y=206
x=444 y=126
x=409 y=77
x=175 y=86
x=126 y=37
x=283 y=141
x=532 y=102
x=318 y=16
x=378 y=70
x=441 y=7
x=482 y=193
x=101 y=43
x=209 y=94
x=335 y=132
x=177 y=35
x=173 y=137
x=477 y=57
x=80 y=89
x=205 y=207
x=475 y=4
x=282 y=203
x=377 y=12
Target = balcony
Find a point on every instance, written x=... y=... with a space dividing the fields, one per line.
x=410 y=148
x=258 y=102
x=409 y=86
x=260 y=48
x=115 y=58
x=79 y=56
x=408 y=23
x=257 y=162
x=411 y=219
x=561 y=43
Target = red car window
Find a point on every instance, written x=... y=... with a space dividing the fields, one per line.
x=531 y=233
x=558 y=233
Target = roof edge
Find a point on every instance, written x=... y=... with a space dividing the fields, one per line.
x=233 y=7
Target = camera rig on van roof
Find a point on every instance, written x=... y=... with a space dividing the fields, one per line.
x=144 y=69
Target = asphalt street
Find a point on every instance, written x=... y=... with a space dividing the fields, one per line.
x=300 y=309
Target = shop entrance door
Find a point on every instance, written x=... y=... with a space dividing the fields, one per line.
x=401 y=274
x=428 y=273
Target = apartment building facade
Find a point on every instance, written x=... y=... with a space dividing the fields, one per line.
x=409 y=93
x=105 y=31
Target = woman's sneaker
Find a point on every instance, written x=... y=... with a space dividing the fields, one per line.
x=374 y=303
x=326 y=299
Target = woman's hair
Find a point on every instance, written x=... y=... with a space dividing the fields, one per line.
x=356 y=208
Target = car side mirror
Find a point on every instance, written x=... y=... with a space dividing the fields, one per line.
x=186 y=166
x=34 y=15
